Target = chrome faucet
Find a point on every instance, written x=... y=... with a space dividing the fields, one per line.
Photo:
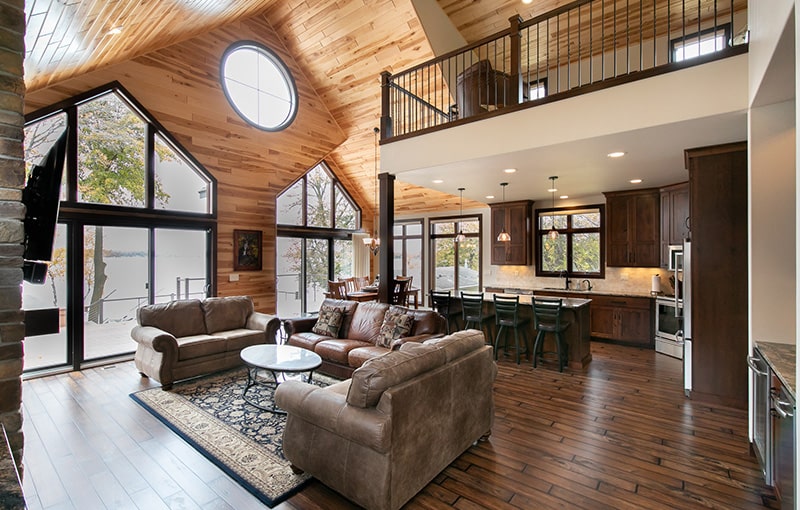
x=567 y=281
x=588 y=284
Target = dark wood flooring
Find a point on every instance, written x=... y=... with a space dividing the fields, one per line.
x=620 y=435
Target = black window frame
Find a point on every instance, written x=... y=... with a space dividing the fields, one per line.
x=698 y=37
x=433 y=237
x=569 y=231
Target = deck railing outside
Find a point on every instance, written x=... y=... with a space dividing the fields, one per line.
x=581 y=46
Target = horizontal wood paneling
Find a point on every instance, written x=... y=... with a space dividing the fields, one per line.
x=180 y=87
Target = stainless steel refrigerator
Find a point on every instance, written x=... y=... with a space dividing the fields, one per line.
x=686 y=269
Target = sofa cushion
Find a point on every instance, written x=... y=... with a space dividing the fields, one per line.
x=360 y=355
x=426 y=322
x=178 y=318
x=459 y=343
x=238 y=339
x=306 y=340
x=366 y=322
x=226 y=313
x=336 y=350
x=396 y=324
x=378 y=374
x=197 y=346
x=329 y=321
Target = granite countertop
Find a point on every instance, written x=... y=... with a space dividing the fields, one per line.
x=525 y=299
x=781 y=358
x=584 y=293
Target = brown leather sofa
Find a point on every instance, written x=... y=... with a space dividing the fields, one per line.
x=383 y=435
x=187 y=338
x=358 y=338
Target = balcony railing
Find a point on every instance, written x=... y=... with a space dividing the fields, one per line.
x=582 y=46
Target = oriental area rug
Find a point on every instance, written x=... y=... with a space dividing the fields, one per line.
x=245 y=442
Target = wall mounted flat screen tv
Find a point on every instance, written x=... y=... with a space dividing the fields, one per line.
x=41 y=196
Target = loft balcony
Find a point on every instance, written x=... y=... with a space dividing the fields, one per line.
x=584 y=46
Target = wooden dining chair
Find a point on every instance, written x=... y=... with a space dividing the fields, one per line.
x=361 y=282
x=337 y=289
x=350 y=284
x=408 y=280
x=400 y=291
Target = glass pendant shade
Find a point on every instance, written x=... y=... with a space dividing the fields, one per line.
x=374 y=242
x=553 y=233
x=504 y=236
x=460 y=238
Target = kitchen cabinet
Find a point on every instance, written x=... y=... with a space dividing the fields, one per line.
x=674 y=217
x=761 y=378
x=783 y=442
x=515 y=217
x=718 y=211
x=633 y=224
x=623 y=319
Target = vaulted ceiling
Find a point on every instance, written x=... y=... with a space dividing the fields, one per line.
x=341 y=45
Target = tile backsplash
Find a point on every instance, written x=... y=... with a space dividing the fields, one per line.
x=618 y=279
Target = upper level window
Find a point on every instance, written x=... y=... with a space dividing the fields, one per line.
x=123 y=157
x=318 y=200
x=700 y=43
x=577 y=250
x=259 y=86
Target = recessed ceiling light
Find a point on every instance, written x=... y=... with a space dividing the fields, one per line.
x=115 y=30
x=563 y=196
x=552 y=190
x=490 y=197
x=437 y=181
x=526 y=2
x=617 y=154
x=510 y=170
x=636 y=181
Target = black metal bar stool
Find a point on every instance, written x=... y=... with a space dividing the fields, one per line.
x=442 y=302
x=473 y=314
x=506 y=314
x=547 y=319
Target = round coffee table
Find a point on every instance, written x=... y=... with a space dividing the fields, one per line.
x=278 y=360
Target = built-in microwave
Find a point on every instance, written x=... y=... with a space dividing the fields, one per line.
x=675 y=251
x=669 y=326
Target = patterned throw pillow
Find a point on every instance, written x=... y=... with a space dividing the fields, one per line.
x=396 y=324
x=329 y=321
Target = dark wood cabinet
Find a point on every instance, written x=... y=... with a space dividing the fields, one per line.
x=633 y=222
x=623 y=319
x=782 y=447
x=515 y=218
x=718 y=221
x=674 y=217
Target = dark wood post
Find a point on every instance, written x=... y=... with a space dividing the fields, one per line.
x=386 y=253
x=516 y=61
x=386 y=117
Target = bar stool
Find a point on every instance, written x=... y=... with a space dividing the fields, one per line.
x=547 y=319
x=506 y=313
x=442 y=302
x=472 y=313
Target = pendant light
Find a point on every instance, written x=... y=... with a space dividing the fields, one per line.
x=553 y=234
x=374 y=242
x=504 y=236
x=460 y=238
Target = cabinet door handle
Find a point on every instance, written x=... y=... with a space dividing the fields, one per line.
x=751 y=362
x=778 y=407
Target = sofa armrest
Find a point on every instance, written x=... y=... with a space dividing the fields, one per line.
x=329 y=410
x=418 y=339
x=299 y=325
x=266 y=323
x=156 y=339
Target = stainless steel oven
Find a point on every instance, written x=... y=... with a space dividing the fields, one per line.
x=669 y=326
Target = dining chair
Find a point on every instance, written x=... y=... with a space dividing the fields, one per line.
x=400 y=291
x=350 y=284
x=506 y=313
x=473 y=314
x=443 y=303
x=547 y=319
x=337 y=289
x=361 y=282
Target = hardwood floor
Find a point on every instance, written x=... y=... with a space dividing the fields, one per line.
x=619 y=435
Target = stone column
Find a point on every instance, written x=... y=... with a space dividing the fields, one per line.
x=12 y=212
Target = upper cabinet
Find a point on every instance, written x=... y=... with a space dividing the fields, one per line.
x=515 y=218
x=633 y=222
x=674 y=217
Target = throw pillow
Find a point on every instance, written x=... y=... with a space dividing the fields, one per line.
x=396 y=324
x=329 y=321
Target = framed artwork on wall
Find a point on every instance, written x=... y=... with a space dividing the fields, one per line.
x=247 y=250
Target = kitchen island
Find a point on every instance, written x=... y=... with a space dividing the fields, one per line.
x=575 y=311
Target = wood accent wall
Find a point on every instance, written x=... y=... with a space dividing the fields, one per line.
x=180 y=87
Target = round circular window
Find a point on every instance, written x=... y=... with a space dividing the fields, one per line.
x=259 y=86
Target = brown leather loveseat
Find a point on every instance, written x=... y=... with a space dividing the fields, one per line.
x=362 y=334
x=383 y=435
x=187 y=338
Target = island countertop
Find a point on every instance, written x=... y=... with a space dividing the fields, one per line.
x=781 y=358
x=525 y=299
x=577 y=292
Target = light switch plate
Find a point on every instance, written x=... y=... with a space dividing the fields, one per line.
x=233 y=277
